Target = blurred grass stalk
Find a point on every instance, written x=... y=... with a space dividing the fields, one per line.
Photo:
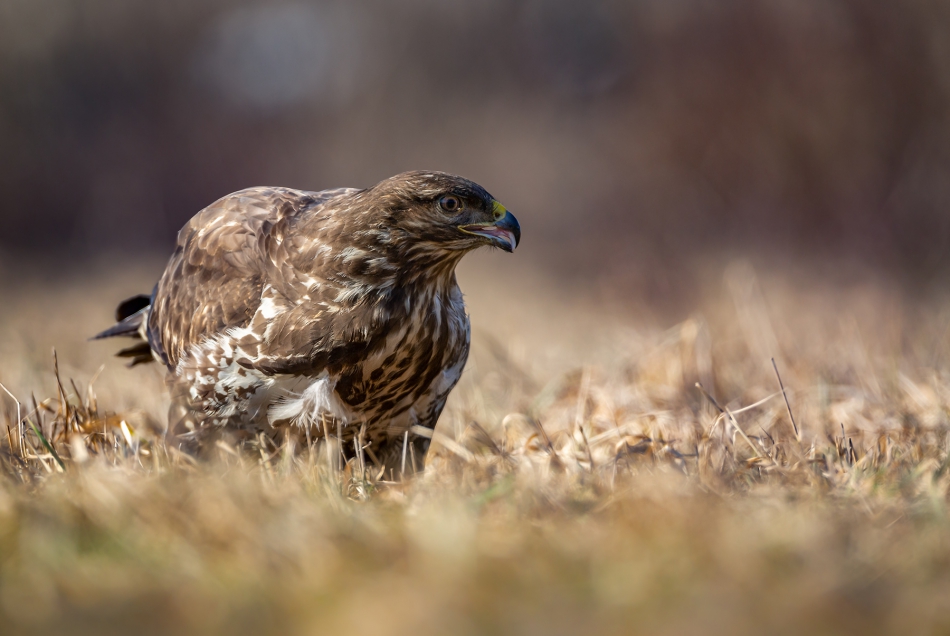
x=614 y=498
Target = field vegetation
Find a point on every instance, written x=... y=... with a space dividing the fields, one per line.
x=618 y=459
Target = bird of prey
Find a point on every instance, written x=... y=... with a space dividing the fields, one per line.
x=330 y=312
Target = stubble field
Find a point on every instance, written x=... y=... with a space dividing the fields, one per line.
x=580 y=481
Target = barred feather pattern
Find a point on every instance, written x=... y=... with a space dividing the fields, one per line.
x=319 y=311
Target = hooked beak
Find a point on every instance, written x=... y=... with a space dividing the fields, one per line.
x=503 y=232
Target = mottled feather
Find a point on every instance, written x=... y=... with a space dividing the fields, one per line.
x=284 y=307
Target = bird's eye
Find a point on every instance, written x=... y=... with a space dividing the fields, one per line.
x=450 y=204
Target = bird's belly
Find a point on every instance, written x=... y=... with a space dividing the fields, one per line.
x=410 y=403
x=407 y=380
x=403 y=383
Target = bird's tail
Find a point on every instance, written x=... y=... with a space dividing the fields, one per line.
x=131 y=317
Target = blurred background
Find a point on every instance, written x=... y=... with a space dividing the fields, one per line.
x=621 y=133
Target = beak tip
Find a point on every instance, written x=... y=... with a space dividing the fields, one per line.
x=514 y=231
x=512 y=242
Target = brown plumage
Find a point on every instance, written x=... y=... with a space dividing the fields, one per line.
x=318 y=310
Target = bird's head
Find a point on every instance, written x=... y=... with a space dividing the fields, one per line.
x=442 y=212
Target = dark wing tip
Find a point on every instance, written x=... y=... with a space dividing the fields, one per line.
x=131 y=306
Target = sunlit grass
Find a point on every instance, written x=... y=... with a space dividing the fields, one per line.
x=580 y=492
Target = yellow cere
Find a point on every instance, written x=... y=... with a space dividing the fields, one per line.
x=498 y=210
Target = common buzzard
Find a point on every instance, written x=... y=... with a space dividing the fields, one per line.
x=328 y=312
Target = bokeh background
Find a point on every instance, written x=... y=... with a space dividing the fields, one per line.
x=622 y=133
x=705 y=187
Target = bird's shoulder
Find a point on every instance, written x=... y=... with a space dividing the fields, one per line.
x=224 y=258
x=251 y=212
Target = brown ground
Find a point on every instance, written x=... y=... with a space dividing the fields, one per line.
x=580 y=482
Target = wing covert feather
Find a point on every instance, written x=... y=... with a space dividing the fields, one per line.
x=221 y=263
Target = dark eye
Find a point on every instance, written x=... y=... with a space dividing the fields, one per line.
x=450 y=204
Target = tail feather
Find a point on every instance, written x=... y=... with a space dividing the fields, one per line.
x=128 y=326
x=140 y=353
x=131 y=316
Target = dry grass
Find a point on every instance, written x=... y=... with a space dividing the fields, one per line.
x=583 y=484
